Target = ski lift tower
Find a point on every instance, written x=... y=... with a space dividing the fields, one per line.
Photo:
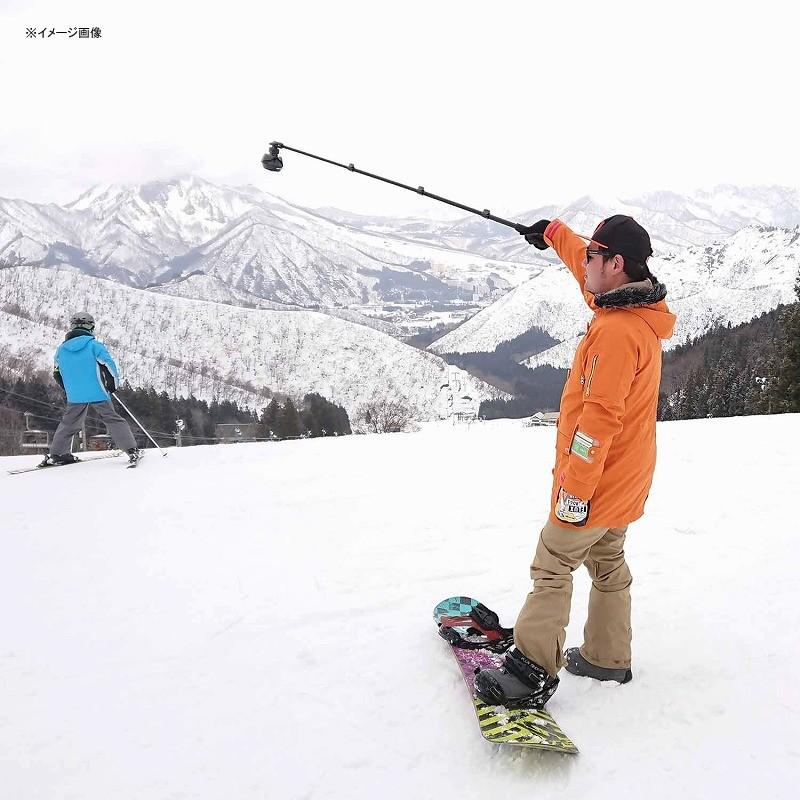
x=454 y=380
x=455 y=402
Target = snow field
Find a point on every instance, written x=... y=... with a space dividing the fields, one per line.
x=254 y=621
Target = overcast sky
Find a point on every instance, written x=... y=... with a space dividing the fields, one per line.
x=505 y=105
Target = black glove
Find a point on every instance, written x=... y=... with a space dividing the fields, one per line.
x=534 y=234
x=108 y=379
x=60 y=381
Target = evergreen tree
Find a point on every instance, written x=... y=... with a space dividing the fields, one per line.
x=689 y=397
x=288 y=420
x=166 y=416
x=268 y=423
x=787 y=384
x=665 y=410
x=751 y=392
x=731 y=370
x=322 y=417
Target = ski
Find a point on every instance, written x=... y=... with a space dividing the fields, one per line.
x=477 y=641
x=38 y=468
x=134 y=464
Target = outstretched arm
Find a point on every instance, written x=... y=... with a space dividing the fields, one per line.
x=571 y=250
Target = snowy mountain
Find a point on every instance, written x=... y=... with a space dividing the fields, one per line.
x=240 y=246
x=674 y=220
x=254 y=621
x=700 y=217
x=748 y=273
x=255 y=242
x=199 y=286
x=28 y=230
x=210 y=349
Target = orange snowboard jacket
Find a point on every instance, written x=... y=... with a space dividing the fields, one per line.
x=606 y=438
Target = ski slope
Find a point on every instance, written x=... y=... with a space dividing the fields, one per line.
x=254 y=621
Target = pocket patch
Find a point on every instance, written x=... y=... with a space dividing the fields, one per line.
x=583 y=446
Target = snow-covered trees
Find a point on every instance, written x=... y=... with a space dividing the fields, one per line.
x=787 y=383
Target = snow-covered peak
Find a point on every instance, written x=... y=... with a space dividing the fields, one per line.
x=734 y=281
x=188 y=206
x=257 y=242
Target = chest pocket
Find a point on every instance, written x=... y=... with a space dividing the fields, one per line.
x=586 y=379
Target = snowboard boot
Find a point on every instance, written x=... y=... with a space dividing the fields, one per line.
x=519 y=683
x=133 y=455
x=578 y=665
x=51 y=460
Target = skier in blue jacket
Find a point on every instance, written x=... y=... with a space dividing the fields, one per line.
x=88 y=375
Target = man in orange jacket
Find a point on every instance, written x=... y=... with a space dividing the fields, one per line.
x=605 y=457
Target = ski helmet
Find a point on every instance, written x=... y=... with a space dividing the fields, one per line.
x=82 y=319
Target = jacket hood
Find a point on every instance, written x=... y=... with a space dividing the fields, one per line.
x=76 y=340
x=646 y=300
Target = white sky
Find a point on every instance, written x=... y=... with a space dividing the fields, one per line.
x=508 y=105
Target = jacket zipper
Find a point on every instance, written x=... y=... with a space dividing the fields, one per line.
x=591 y=375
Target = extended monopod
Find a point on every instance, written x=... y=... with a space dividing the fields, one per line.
x=273 y=162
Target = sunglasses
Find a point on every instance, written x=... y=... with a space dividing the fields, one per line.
x=591 y=252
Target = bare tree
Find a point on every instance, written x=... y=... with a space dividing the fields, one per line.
x=384 y=412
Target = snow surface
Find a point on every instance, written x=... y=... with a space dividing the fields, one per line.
x=254 y=621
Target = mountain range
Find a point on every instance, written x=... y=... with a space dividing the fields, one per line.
x=159 y=232
x=188 y=276
x=730 y=281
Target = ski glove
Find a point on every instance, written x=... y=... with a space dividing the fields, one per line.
x=60 y=381
x=107 y=378
x=571 y=509
x=534 y=234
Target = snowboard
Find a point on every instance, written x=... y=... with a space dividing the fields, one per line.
x=478 y=641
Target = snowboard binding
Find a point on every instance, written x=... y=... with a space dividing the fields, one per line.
x=479 y=629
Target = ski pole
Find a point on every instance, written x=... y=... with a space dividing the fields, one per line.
x=130 y=414
x=274 y=163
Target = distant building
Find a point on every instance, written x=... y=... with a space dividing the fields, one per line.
x=544 y=418
x=465 y=409
x=234 y=432
x=100 y=441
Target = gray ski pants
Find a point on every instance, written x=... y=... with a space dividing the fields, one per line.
x=72 y=421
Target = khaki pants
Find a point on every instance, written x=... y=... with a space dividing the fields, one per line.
x=540 y=629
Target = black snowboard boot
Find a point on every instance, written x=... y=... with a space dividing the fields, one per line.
x=578 y=665
x=133 y=455
x=519 y=683
x=51 y=460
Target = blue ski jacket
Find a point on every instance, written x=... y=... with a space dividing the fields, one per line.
x=85 y=369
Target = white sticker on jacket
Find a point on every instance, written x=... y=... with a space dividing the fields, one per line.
x=571 y=509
